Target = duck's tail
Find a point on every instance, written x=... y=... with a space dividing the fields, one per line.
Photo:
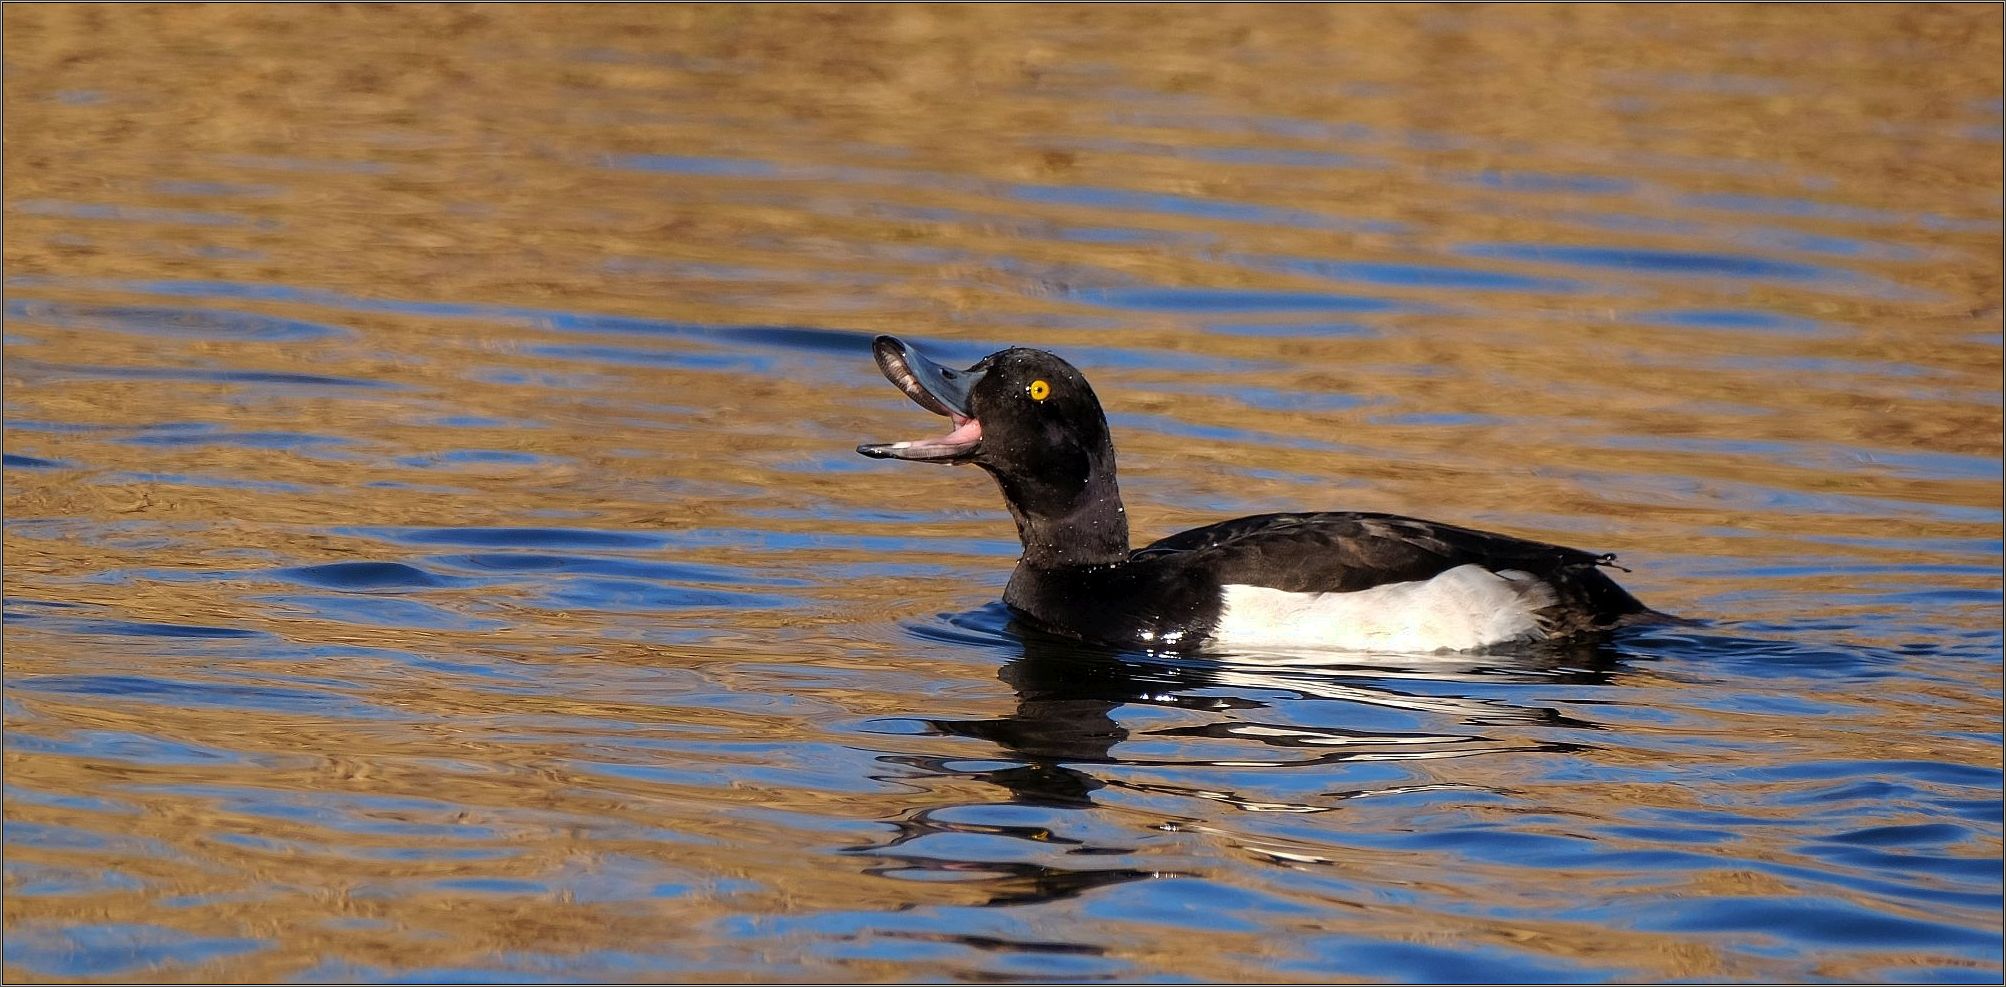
x=1586 y=599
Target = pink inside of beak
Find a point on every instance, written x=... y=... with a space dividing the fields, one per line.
x=965 y=430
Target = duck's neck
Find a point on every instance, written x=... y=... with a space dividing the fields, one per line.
x=1085 y=529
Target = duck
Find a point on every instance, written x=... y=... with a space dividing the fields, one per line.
x=1346 y=580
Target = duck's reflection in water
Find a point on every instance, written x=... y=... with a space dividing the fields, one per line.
x=1065 y=740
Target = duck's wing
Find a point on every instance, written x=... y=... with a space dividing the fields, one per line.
x=1346 y=551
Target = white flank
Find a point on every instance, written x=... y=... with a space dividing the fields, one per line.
x=1466 y=607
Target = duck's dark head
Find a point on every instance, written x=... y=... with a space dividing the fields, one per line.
x=1030 y=419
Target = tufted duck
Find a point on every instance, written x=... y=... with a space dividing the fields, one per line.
x=1332 y=579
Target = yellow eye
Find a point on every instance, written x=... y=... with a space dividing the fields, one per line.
x=1040 y=390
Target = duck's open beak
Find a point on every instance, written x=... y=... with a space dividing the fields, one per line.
x=937 y=389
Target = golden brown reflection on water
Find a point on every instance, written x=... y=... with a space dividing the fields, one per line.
x=1716 y=288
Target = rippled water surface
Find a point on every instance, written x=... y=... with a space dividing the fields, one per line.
x=435 y=549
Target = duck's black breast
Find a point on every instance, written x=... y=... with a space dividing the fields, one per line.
x=1169 y=594
x=1155 y=603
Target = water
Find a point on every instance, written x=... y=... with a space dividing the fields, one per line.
x=435 y=550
